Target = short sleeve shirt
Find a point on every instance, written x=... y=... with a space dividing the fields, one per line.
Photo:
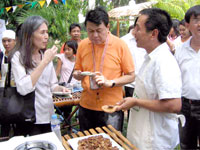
x=117 y=61
x=43 y=88
x=161 y=76
x=138 y=54
x=189 y=63
x=66 y=69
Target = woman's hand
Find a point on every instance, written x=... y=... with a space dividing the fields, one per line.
x=61 y=89
x=77 y=75
x=49 y=54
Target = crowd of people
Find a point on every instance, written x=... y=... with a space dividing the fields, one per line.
x=157 y=63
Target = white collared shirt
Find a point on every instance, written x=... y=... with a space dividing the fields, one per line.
x=43 y=89
x=137 y=53
x=162 y=80
x=189 y=63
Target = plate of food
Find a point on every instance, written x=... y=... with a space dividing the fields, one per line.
x=97 y=141
x=87 y=73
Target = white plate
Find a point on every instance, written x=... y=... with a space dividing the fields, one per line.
x=62 y=93
x=74 y=142
x=87 y=73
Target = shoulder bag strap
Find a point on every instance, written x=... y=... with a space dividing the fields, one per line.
x=70 y=78
x=8 y=76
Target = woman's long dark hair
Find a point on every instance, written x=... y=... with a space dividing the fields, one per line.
x=25 y=40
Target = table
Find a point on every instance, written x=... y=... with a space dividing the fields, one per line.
x=112 y=132
x=70 y=101
x=62 y=101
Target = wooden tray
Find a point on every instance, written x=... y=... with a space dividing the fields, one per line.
x=62 y=101
x=112 y=132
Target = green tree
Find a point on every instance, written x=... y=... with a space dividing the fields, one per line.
x=10 y=16
x=59 y=16
x=176 y=8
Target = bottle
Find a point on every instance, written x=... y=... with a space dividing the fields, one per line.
x=55 y=126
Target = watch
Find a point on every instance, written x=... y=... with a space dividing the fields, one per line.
x=113 y=83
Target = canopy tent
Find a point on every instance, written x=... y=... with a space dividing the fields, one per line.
x=130 y=10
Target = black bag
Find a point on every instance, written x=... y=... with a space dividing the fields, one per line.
x=16 y=108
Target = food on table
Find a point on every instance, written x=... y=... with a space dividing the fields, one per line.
x=96 y=143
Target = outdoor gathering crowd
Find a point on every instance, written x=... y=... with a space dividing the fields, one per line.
x=157 y=64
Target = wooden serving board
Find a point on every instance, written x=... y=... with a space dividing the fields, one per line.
x=112 y=132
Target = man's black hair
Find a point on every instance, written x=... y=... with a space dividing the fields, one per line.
x=74 y=25
x=158 y=19
x=97 y=16
x=133 y=26
x=195 y=10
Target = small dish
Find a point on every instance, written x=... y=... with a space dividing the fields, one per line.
x=109 y=108
x=87 y=73
x=62 y=93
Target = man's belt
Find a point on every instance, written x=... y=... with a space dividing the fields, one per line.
x=190 y=101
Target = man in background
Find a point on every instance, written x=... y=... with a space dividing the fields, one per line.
x=138 y=55
x=75 y=33
x=8 y=40
x=188 y=58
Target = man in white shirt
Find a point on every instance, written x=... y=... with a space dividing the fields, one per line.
x=138 y=57
x=153 y=123
x=8 y=40
x=188 y=58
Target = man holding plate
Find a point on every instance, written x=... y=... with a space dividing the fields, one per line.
x=111 y=64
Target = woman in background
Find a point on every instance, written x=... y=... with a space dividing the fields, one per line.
x=184 y=34
x=64 y=69
x=66 y=61
x=33 y=70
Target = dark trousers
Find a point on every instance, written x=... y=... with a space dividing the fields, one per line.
x=91 y=119
x=32 y=129
x=128 y=91
x=190 y=133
